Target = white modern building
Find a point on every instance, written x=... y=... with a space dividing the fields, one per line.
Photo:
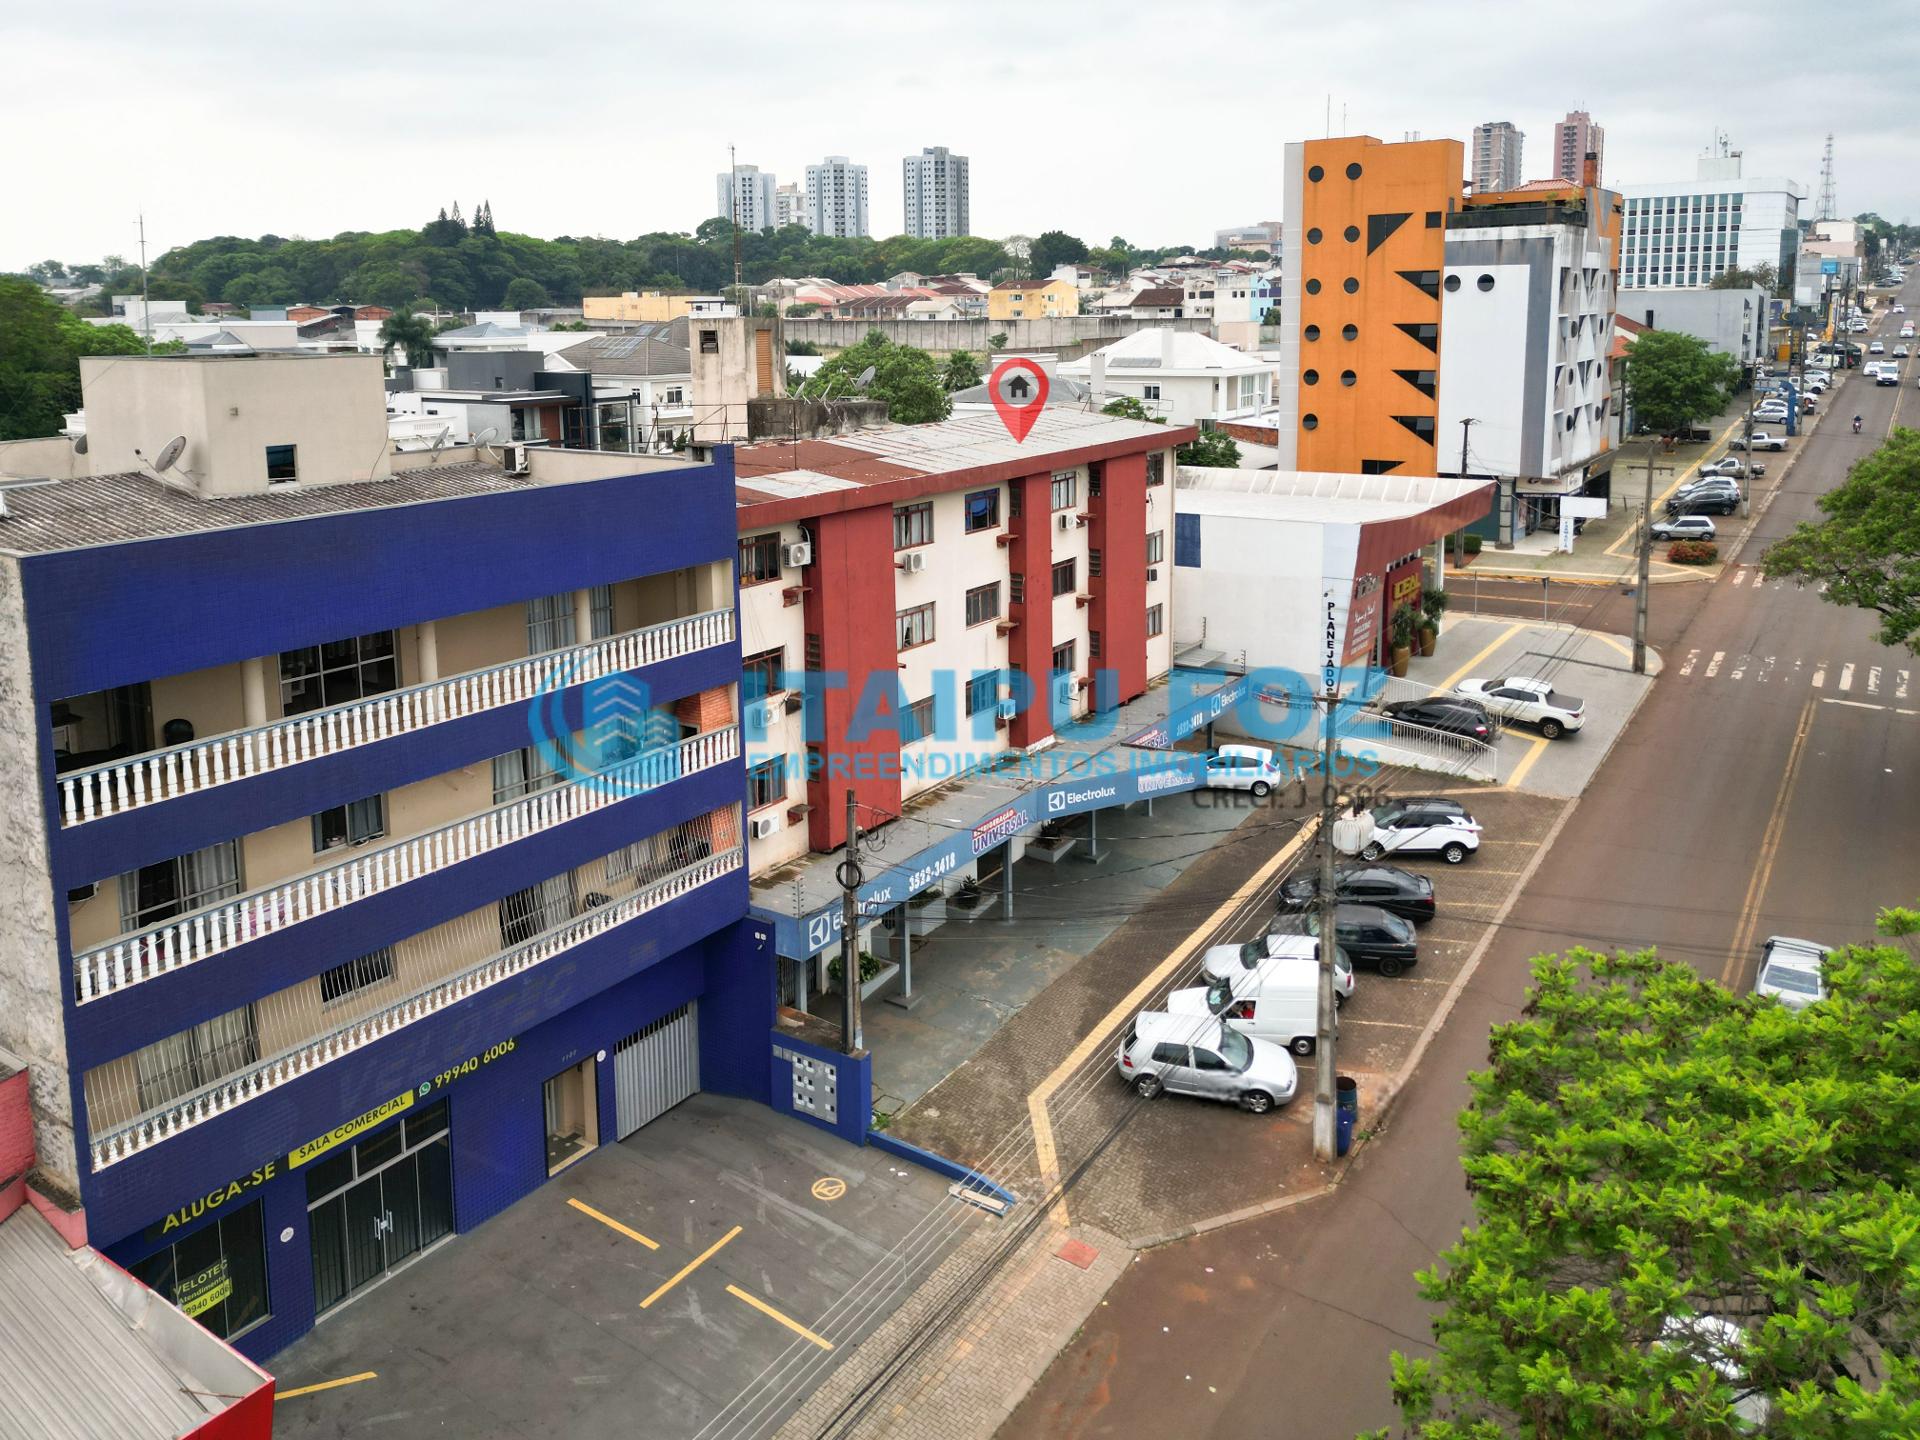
x=1495 y=156
x=837 y=198
x=1527 y=296
x=789 y=205
x=745 y=195
x=1178 y=376
x=936 y=194
x=1734 y=322
x=1574 y=138
x=1683 y=233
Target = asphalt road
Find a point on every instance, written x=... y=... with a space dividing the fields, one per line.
x=1755 y=793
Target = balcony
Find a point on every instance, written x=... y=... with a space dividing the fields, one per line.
x=215 y=929
x=120 y=786
x=329 y=1031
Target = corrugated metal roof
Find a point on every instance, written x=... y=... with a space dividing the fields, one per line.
x=113 y=509
x=73 y=1366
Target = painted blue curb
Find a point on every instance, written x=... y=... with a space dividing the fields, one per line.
x=940 y=1165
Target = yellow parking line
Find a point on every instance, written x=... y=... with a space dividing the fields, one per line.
x=691 y=1266
x=1467 y=669
x=1037 y=1099
x=765 y=1309
x=1633 y=536
x=327 y=1385
x=1769 y=850
x=1540 y=743
x=613 y=1224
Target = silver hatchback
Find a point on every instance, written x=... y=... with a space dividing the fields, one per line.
x=1191 y=1055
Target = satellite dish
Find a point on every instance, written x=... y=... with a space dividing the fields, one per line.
x=440 y=440
x=170 y=455
x=79 y=444
x=486 y=436
x=864 y=379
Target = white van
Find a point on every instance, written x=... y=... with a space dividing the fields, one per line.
x=1223 y=961
x=1279 y=1002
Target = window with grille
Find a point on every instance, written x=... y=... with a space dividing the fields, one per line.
x=316 y=676
x=913 y=525
x=1093 y=644
x=1157 y=468
x=1065 y=575
x=1065 y=488
x=1096 y=479
x=525 y=913
x=359 y=974
x=1094 y=563
x=767 y=783
x=1016 y=588
x=915 y=626
x=1156 y=620
x=173 y=887
x=916 y=722
x=983 y=691
x=1064 y=656
x=983 y=603
x=1156 y=546
x=760 y=558
x=351 y=824
x=193 y=1059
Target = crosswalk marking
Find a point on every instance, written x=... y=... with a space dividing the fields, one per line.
x=1846 y=678
x=1686 y=666
x=1740 y=576
x=1820 y=676
x=1739 y=667
x=1713 y=665
x=1766 y=669
x=1743 y=573
x=1900 y=686
x=1873 y=680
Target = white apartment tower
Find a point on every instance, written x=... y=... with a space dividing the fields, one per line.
x=1495 y=156
x=789 y=205
x=837 y=197
x=1681 y=234
x=1573 y=138
x=936 y=193
x=746 y=196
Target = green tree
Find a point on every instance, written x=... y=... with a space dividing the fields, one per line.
x=1210 y=449
x=525 y=294
x=962 y=371
x=802 y=347
x=997 y=340
x=907 y=379
x=40 y=348
x=1866 y=552
x=1128 y=407
x=1055 y=247
x=412 y=334
x=1674 y=380
x=1766 y=276
x=1684 y=1201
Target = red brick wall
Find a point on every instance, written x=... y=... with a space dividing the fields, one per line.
x=1119 y=531
x=1030 y=648
x=709 y=710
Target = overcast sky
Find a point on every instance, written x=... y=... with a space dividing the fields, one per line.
x=1160 y=122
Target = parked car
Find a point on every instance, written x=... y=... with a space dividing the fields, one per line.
x=1187 y=1055
x=1444 y=714
x=1369 y=935
x=1418 y=826
x=1876 y=348
x=1791 y=971
x=1762 y=440
x=1281 y=1006
x=1221 y=962
x=1728 y=466
x=1243 y=767
x=1530 y=701
x=1703 y=502
x=1899 y=352
x=1684 y=527
x=1398 y=892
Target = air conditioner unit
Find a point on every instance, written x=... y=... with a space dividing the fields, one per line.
x=796 y=702
x=516 y=458
x=1006 y=709
x=1066 y=522
x=764 y=825
x=1152 y=575
x=762 y=713
x=914 y=561
x=797 y=555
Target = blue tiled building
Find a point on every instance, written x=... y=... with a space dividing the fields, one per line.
x=376 y=830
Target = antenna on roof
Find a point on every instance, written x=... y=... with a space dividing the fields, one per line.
x=440 y=441
x=80 y=444
x=486 y=437
x=863 y=379
x=169 y=455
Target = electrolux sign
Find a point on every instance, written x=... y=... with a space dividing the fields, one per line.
x=800 y=936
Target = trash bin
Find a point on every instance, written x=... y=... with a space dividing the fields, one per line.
x=1346 y=1112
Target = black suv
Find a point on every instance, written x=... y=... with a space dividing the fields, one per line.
x=1455 y=717
x=1398 y=892
x=1369 y=935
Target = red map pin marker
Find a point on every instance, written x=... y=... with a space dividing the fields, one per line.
x=1018 y=399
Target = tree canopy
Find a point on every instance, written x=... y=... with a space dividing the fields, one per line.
x=909 y=380
x=1866 y=552
x=962 y=371
x=40 y=348
x=1054 y=247
x=1763 y=275
x=1211 y=449
x=1675 y=379
x=1696 y=1213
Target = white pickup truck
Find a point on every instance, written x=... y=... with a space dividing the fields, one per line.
x=1762 y=440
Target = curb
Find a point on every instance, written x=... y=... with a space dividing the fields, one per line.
x=1582 y=577
x=1233 y=1217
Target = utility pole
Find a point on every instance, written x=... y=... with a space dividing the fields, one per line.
x=739 y=295
x=1324 y=1118
x=1460 y=536
x=1646 y=566
x=1746 y=466
x=146 y=305
x=852 y=1040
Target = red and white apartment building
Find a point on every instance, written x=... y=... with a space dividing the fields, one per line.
x=956 y=560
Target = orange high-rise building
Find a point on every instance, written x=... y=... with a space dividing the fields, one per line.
x=1364 y=247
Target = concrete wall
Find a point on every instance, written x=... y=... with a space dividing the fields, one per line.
x=1070 y=337
x=1734 y=322
x=32 y=1022
x=48 y=459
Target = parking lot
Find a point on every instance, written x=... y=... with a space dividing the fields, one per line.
x=699 y=1278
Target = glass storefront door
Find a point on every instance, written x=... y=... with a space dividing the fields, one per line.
x=375 y=1206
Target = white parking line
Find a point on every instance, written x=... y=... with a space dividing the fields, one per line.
x=1350 y=1023
x=1900 y=685
x=1820 y=676
x=1713 y=665
x=1740 y=576
x=1873 y=680
x=1846 y=678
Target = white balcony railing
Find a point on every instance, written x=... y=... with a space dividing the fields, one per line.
x=119 y=1143
x=228 y=924
x=122 y=785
